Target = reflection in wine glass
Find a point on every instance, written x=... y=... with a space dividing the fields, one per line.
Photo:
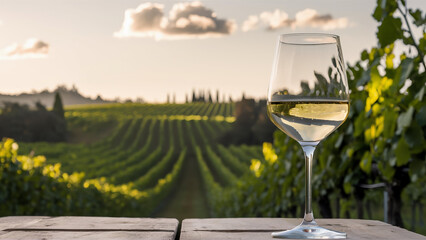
x=308 y=98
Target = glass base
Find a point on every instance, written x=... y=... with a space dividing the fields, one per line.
x=309 y=230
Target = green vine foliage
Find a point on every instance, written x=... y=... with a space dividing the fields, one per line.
x=383 y=139
x=29 y=186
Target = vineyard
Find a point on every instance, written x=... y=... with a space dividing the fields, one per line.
x=188 y=160
x=165 y=154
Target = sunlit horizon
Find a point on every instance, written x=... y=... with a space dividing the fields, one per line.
x=133 y=49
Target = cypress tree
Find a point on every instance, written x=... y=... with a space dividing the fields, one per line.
x=217 y=95
x=194 y=98
x=210 y=96
x=201 y=96
x=58 y=107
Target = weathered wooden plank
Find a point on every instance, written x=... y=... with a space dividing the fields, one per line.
x=11 y=222
x=261 y=228
x=237 y=224
x=104 y=235
x=105 y=223
x=87 y=228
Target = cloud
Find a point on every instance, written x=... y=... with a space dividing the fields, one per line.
x=144 y=21
x=305 y=18
x=251 y=23
x=311 y=18
x=185 y=20
x=32 y=48
x=276 y=19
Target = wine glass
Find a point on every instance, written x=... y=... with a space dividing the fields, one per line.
x=308 y=98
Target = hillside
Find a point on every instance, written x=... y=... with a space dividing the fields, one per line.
x=69 y=97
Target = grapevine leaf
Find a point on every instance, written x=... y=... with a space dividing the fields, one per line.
x=422 y=43
x=421 y=116
x=414 y=136
x=386 y=170
x=358 y=104
x=379 y=145
x=365 y=162
x=417 y=169
x=359 y=125
x=364 y=78
x=339 y=141
x=420 y=94
x=389 y=61
x=407 y=40
x=404 y=119
x=364 y=55
x=389 y=31
x=378 y=12
x=389 y=123
x=402 y=152
x=419 y=20
x=370 y=133
x=384 y=8
x=347 y=187
x=390 y=156
x=404 y=70
x=374 y=54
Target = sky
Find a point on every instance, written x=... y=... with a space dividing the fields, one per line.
x=149 y=49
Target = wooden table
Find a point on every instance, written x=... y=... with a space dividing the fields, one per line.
x=261 y=228
x=104 y=228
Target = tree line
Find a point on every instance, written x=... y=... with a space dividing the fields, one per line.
x=26 y=124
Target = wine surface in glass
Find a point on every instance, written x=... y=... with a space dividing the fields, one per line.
x=308 y=120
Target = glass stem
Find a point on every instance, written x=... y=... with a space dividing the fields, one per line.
x=308 y=149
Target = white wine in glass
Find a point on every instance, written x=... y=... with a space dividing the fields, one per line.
x=308 y=120
x=308 y=98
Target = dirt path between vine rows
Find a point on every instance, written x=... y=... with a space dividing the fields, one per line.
x=189 y=199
